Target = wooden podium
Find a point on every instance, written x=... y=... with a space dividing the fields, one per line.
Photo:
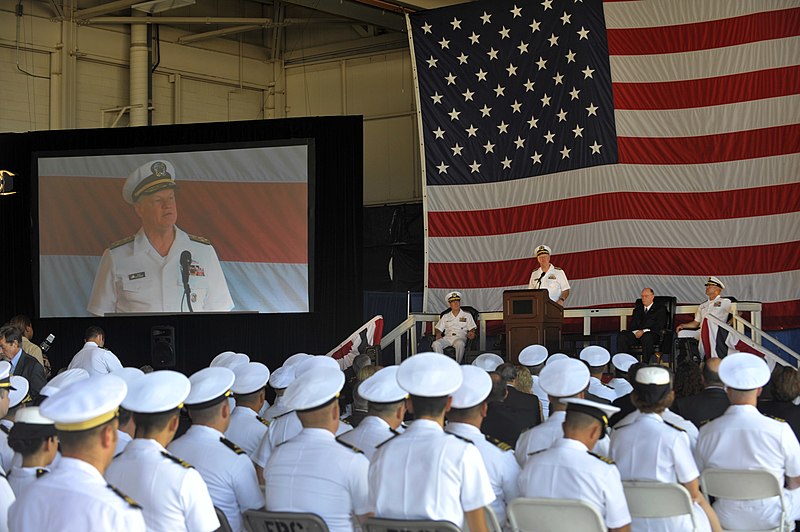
x=530 y=318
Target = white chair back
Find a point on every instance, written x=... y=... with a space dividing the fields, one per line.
x=553 y=515
x=658 y=499
x=744 y=485
x=261 y=521
x=492 y=523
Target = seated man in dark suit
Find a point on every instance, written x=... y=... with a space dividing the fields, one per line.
x=708 y=404
x=510 y=411
x=646 y=326
x=22 y=363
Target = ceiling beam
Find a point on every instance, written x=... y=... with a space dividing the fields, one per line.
x=360 y=12
x=102 y=9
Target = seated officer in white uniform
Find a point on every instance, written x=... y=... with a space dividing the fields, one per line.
x=464 y=419
x=150 y=271
x=385 y=413
x=568 y=470
x=597 y=358
x=454 y=328
x=654 y=450
x=93 y=356
x=34 y=438
x=560 y=379
x=278 y=381
x=172 y=493
x=743 y=438
x=715 y=305
x=533 y=357
x=226 y=469
x=549 y=277
x=287 y=426
x=247 y=428
x=313 y=472
x=621 y=362
x=75 y=496
x=425 y=473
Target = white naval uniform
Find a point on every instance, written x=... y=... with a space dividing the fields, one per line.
x=278 y=408
x=315 y=473
x=6 y=452
x=743 y=438
x=95 y=360
x=134 y=277
x=651 y=450
x=500 y=465
x=425 y=473
x=75 y=497
x=284 y=428
x=554 y=281
x=123 y=439
x=620 y=386
x=173 y=495
x=544 y=435
x=596 y=387
x=567 y=470
x=539 y=392
x=21 y=477
x=7 y=498
x=228 y=472
x=719 y=307
x=454 y=329
x=670 y=417
x=247 y=429
x=371 y=432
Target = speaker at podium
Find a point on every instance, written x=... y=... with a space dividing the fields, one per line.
x=531 y=317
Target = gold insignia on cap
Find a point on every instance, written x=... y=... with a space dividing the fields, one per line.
x=159 y=169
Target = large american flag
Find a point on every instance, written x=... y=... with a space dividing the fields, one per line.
x=690 y=170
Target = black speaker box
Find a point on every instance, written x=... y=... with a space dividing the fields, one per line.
x=162 y=346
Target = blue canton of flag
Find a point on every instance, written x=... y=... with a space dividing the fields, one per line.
x=510 y=90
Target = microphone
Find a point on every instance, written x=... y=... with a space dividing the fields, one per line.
x=539 y=280
x=48 y=342
x=186 y=261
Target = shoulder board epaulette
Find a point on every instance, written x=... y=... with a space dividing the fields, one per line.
x=5 y=429
x=122 y=242
x=703 y=422
x=262 y=420
x=232 y=446
x=118 y=454
x=346 y=422
x=284 y=414
x=777 y=418
x=556 y=268
x=175 y=459
x=605 y=459
x=40 y=471
x=387 y=441
x=501 y=444
x=200 y=239
x=349 y=446
x=676 y=427
x=536 y=452
x=462 y=438
x=131 y=502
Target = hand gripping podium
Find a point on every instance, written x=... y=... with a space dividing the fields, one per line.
x=530 y=318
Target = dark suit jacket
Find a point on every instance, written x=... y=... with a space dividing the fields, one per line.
x=785 y=410
x=505 y=420
x=702 y=407
x=655 y=319
x=30 y=368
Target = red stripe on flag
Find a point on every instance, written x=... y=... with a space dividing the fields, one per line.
x=705 y=35
x=342 y=351
x=770 y=258
x=743 y=203
x=751 y=144
x=705 y=92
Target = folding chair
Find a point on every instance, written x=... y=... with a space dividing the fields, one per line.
x=492 y=524
x=261 y=521
x=373 y=524
x=553 y=515
x=658 y=499
x=224 y=526
x=744 y=485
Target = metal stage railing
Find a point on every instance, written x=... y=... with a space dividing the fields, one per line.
x=408 y=327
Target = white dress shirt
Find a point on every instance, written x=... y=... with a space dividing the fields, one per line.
x=74 y=497
x=544 y=435
x=620 y=386
x=371 y=432
x=567 y=470
x=228 y=473
x=596 y=387
x=500 y=465
x=173 y=496
x=649 y=449
x=314 y=473
x=6 y=500
x=670 y=417
x=554 y=281
x=539 y=392
x=743 y=438
x=123 y=439
x=247 y=429
x=95 y=360
x=21 y=477
x=284 y=428
x=425 y=473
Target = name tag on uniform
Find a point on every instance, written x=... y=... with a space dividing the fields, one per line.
x=718 y=304
x=196 y=270
x=462 y=319
x=552 y=276
x=137 y=275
